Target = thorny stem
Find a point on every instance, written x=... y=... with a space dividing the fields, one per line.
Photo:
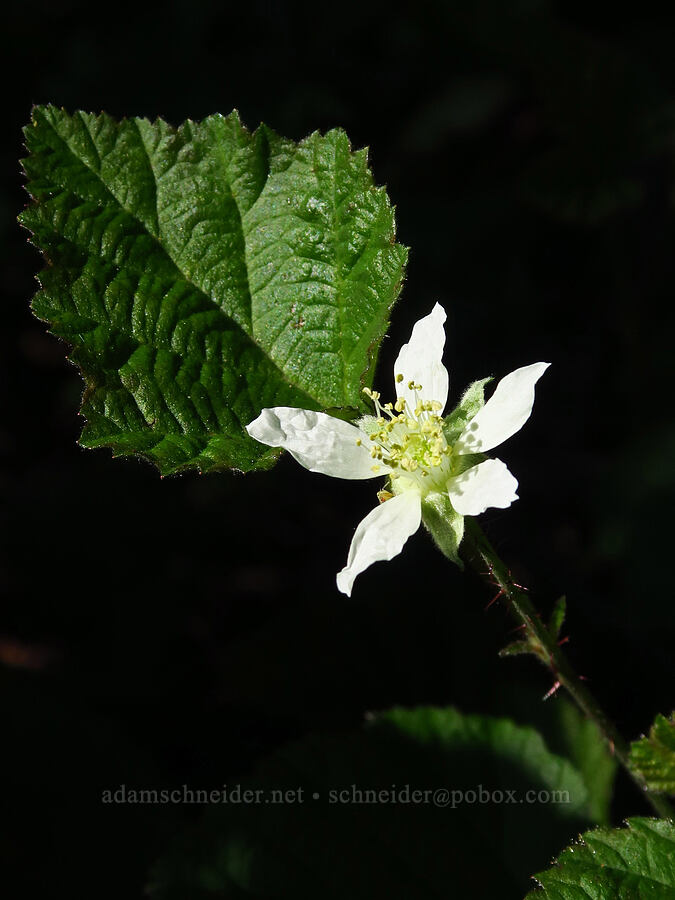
x=543 y=644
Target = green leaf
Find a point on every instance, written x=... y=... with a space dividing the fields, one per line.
x=205 y=272
x=653 y=757
x=445 y=525
x=633 y=862
x=582 y=742
x=557 y=619
x=570 y=734
x=396 y=843
x=472 y=401
x=517 y=648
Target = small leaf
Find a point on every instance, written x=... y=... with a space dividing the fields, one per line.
x=402 y=809
x=471 y=403
x=205 y=272
x=557 y=618
x=653 y=757
x=633 y=862
x=518 y=648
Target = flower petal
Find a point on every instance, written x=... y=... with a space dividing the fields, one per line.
x=381 y=535
x=420 y=360
x=506 y=411
x=319 y=442
x=488 y=484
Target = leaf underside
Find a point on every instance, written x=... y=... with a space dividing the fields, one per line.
x=637 y=862
x=203 y=273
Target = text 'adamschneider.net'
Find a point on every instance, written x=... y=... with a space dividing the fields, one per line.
x=403 y=795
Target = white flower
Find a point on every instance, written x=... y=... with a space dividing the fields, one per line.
x=428 y=460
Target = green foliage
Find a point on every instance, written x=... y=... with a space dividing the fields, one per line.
x=580 y=740
x=396 y=849
x=205 y=272
x=633 y=862
x=569 y=734
x=557 y=619
x=517 y=648
x=653 y=757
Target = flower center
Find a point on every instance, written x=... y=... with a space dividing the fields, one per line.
x=409 y=442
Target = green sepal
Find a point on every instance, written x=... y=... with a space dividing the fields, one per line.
x=473 y=400
x=653 y=757
x=445 y=525
x=462 y=462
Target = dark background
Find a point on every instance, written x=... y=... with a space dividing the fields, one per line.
x=160 y=632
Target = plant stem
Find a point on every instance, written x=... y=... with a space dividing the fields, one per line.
x=542 y=642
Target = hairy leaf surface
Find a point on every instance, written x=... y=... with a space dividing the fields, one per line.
x=633 y=862
x=204 y=272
